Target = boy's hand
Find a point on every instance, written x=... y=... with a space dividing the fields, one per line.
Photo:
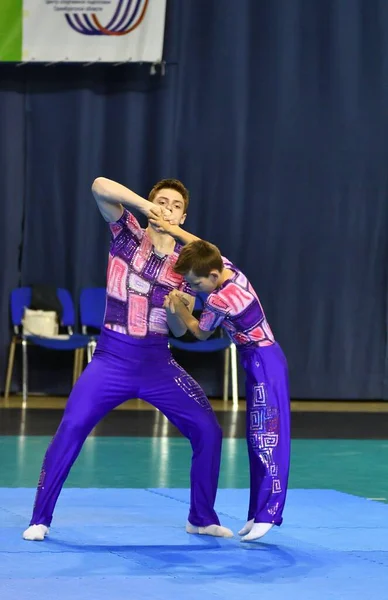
x=170 y=302
x=175 y=297
x=168 y=305
x=161 y=223
x=154 y=211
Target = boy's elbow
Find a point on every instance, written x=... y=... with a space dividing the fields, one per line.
x=98 y=186
x=179 y=333
x=178 y=330
x=203 y=335
x=200 y=335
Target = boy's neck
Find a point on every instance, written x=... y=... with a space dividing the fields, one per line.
x=224 y=276
x=162 y=242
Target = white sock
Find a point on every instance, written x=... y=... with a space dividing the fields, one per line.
x=215 y=530
x=247 y=527
x=36 y=533
x=258 y=530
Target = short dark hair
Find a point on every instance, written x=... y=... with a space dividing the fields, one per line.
x=171 y=184
x=200 y=257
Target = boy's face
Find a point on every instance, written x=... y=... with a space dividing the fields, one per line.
x=203 y=284
x=172 y=204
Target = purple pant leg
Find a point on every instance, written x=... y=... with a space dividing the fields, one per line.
x=100 y=388
x=268 y=432
x=122 y=369
x=184 y=403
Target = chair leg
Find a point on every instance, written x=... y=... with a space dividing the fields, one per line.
x=81 y=362
x=90 y=349
x=11 y=362
x=25 y=373
x=75 y=367
x=233 y=354
x=226 y=373
x=89 y=352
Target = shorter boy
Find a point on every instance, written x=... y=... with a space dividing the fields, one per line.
x=233 y=304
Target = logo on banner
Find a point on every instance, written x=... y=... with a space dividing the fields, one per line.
x=127 y=16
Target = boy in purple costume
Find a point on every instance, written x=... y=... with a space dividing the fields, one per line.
x=132 y=358
x=233 y=304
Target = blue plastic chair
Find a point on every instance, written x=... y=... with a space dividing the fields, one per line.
x=92 y=305
x=215 y=344
x=21 y=299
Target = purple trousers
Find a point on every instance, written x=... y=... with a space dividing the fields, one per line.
x=268 y=431
x=123 y=368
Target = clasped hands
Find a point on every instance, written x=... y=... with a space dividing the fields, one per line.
x=160 y=219
x=174 y=299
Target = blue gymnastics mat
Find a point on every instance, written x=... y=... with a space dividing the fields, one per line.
x=131 y=544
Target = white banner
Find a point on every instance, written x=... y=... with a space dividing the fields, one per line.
x=93 y=30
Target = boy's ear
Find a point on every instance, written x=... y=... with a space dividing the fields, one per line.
x=183 y=219
x=214 y=275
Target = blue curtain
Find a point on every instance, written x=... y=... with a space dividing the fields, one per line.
x=12 y=195
x=273 y=112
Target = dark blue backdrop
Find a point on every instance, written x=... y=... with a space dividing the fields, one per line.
x=274 y=114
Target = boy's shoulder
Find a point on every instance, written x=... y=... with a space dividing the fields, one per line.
x=231 y=298
x=127 y=221
x=235 y=295
x=217 y=300
x=239 y=278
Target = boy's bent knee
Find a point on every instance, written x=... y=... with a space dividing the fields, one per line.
x=209 y=430
x=76 y=426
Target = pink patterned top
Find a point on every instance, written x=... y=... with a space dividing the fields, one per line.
x=236 y=307
x=138 y=280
